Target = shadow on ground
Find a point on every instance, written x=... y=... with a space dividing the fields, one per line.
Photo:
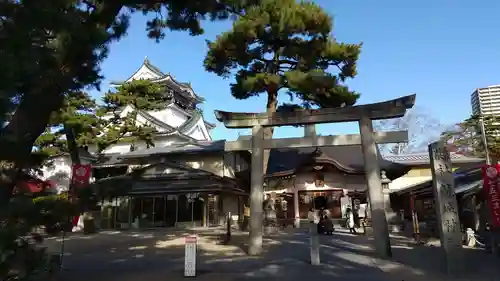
x=412 y=261
x=159 y=255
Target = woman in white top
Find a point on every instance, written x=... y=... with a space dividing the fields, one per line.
x=350 y=221
x=311 y=215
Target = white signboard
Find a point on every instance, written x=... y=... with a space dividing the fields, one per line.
x=190 y=257
x=446 y=206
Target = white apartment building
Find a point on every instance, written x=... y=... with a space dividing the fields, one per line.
x=486 y=101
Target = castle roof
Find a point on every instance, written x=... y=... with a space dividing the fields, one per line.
x=150 y=72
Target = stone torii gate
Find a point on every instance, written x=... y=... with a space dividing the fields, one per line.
x=364 y=114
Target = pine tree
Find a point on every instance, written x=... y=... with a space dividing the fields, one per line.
x=78 y=113
x=49 y=49
x=467 y=137
x=141 y=95
x=285 y=46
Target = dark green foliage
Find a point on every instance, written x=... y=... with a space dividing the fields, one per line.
x=105 y=124
x=50 y=52
x=50 y=49
x=117 y=124
x=285 y=45
x=142 y=94
x=53 y=212
x=78 y=113
x=19 y=243
x=466 y=137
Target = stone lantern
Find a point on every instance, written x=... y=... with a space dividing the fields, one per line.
x=389 y=213
x=385 y=181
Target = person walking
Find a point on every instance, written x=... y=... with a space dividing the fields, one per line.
x=246 y=217
x=311 y=215
x=350 y=221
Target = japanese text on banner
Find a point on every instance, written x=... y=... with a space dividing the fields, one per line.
x=491 y=189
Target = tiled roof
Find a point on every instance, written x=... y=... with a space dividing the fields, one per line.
x=188 y=147
x=423 y=158
x=349 y=159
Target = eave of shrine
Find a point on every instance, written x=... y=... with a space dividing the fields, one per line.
x=194 y=147
x=169 y=177
x=423 y=159
x=285 y=163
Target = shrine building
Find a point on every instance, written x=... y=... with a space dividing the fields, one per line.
x=330 y=178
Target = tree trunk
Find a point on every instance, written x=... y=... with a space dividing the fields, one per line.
x=272 y=104
x=8 y=178
x=270 y=221
x=18 y=137
x=33 y=114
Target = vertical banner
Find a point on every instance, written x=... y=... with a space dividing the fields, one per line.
x=80 y=176
x=491 y=189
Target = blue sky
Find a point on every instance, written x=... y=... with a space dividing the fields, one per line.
x=440 y=50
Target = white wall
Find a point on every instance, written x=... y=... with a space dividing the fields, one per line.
x=223 y=166
x=172 y=115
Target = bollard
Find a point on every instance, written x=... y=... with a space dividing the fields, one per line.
x=228 y=226
x=190 y=256
x=493 y=241
x=313 y=233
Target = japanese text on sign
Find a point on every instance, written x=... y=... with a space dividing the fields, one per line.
x=440 y=153
x=190 y=256
x=447 y=206
x=444 y=188
x=490 y=186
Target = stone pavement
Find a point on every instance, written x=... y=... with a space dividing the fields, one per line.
x=413 y=262
x=159 y=255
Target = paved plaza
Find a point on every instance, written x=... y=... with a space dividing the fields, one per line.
x=159 y=255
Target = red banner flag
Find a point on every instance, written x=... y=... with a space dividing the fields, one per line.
x=491 y=189
x=81 y=175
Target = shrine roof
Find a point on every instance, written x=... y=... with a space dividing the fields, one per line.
x=137 y=185
x=348 y=159
x=108 y=160
x=423 y=158
x=187 y=147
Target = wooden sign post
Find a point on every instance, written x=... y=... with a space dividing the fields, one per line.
x=190 y=256
x=446 y=207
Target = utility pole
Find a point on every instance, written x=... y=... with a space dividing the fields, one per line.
x=485 y=142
